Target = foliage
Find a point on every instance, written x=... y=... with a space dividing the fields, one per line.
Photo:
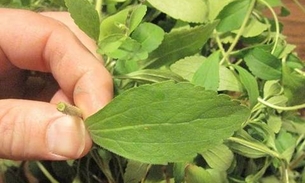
x=205 y=91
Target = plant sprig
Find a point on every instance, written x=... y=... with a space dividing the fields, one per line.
x=205 y=91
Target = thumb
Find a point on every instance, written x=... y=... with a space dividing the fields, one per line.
x=36 y=130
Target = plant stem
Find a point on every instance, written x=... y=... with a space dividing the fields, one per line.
x=102 y=165
x=240 y=32
x=219 y=44
x=291 y=108
x=46 y=173
x=69 y=109
x=98 y=8
x=277 y=25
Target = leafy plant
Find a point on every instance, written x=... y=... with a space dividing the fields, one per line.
x=205 y=91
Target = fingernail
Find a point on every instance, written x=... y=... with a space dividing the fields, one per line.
x=66 y=137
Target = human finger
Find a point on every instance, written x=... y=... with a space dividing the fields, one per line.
x=36 y=130
x=66 y=19
x=49 y=46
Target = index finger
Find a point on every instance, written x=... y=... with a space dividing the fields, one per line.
x=34 y=42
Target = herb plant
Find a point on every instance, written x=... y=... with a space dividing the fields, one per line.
x=205 y=91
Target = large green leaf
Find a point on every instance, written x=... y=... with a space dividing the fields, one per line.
x=165 y=122
x=85 y=16
x=189 y=11
x=179 y=44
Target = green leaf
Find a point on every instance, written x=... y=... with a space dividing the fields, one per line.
x=275 y=123
x=263 y=133
x=232 y=16
x=85 y=16
x=178 y=171
x=279 y=100
x=249 y=147
x=152 y=76
x=156 y=174
x=283 y=51
x=123 y=22
x=216 y=6
x=189 y=11
x=294 y=86
x=123 y=67
x=263 y=64
x=207 y=74
x=111 y=43
x=179 y=44
x=114 y=24
x=149 y=35
x=219 y=157
x=254 y=28
x=294 y=62
x=274 y=3
x=136 y=17
x=129 y=49
x=228 y=80
x=249 y=83
x=187 y=66
x=196 y=174
x=294 y=126
x=272 y=88
x=135 y=171
x=257 y=173
x=285 y=144
x=179 y=119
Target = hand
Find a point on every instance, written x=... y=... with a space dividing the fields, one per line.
x=32 y=129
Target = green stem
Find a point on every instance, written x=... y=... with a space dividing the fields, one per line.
x=300 y=72
x=102 y=165
x=46 y=173
x=240 y=32
x=69 y=109
x=98 y=8
x=290 y=108
x=219 y=44
x=277 y=25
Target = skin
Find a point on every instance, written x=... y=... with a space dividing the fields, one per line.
x=49 y=43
